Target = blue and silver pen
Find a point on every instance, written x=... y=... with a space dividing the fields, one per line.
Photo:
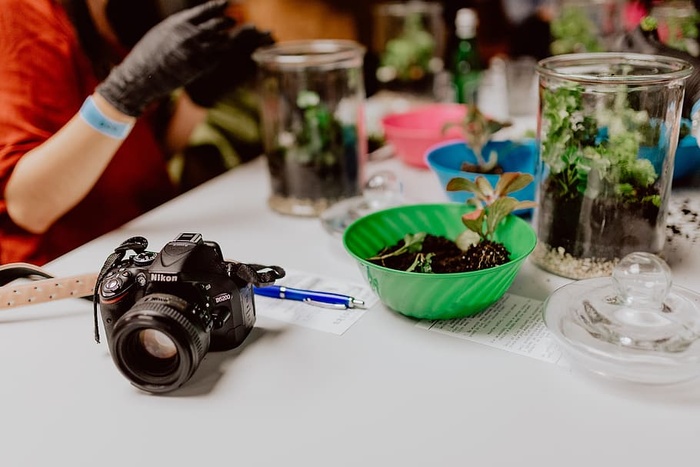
x=312 y=297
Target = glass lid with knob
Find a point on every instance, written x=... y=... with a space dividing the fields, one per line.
x=634 y=326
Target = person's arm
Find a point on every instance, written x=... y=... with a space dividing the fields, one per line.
x=55 y=176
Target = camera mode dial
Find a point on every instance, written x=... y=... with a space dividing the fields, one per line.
x=144 y=258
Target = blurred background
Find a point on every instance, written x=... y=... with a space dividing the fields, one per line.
x=480 y=52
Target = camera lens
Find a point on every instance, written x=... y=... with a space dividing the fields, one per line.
x=159 y=343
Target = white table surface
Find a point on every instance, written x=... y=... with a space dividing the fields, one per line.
x=384 y=393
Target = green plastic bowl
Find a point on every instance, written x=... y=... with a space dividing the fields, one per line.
x=434 y=296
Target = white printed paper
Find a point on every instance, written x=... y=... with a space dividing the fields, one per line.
x=334 y=321
x=513 y=323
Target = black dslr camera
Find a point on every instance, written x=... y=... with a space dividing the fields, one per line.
x=162 y=312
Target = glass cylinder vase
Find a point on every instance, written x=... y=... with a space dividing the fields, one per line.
x=312 y=107
x=608 y=131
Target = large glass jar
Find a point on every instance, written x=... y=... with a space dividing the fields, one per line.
x=608 y=131
x=312 y=98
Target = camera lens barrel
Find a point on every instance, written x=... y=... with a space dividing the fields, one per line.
x=159 y=343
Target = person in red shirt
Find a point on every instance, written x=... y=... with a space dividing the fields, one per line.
x=80 y=153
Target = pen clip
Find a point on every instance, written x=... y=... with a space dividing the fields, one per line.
x=333 y=306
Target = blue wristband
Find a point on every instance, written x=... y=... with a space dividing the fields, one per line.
x=100 y=122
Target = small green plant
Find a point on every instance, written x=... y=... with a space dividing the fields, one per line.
x=492 y=204
x=407 y=57
x=318 y=135
x=476 y=248
x=606 y=145
x=478 y=129
x=412 y=243
x=574 y=32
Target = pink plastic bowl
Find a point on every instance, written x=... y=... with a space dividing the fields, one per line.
x=411 y=133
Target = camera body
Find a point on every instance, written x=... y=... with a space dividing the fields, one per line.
x=163 y=311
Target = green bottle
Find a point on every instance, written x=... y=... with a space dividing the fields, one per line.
x=466 y=63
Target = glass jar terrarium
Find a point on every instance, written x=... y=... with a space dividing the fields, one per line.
x=580 y=26
x=312 y=98
x=409 y=41
x=608 y=131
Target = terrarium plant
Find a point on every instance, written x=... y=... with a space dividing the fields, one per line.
x=478 y=130
x=407 y=57
x=573 y=31
x=491 y=204
x=474 y=249
x=317 y=157
x=605 y=172
x=316 y=136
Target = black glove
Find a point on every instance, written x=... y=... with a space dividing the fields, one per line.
x=173 y=53
x=234 y=69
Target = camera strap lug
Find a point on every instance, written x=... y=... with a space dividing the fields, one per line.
x=255 y=274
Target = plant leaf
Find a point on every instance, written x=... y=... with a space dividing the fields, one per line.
x=422 y=263
x=461 y=184
x=498 y=210
x=512 y=181
x=525 y=205
x=411 y=244
x=474 y=221
x=485 y=188
x=414 y=242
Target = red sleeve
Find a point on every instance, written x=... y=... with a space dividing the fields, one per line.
x=42 y=78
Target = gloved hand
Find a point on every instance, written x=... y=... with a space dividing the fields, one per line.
x=235 y=68
x=172 y=54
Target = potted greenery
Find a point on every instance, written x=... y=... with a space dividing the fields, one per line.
x=608 y=132
x=476 y=248
x=478 y=130
x=317 y=157
x=478 y=154
x=312 y=100
x=444 y=260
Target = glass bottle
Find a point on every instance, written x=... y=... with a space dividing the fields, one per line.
x=466 y=63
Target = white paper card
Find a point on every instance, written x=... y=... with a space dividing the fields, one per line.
x=315 y=317
x=513 y=323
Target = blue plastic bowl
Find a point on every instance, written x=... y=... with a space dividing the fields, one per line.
x=445 y=160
